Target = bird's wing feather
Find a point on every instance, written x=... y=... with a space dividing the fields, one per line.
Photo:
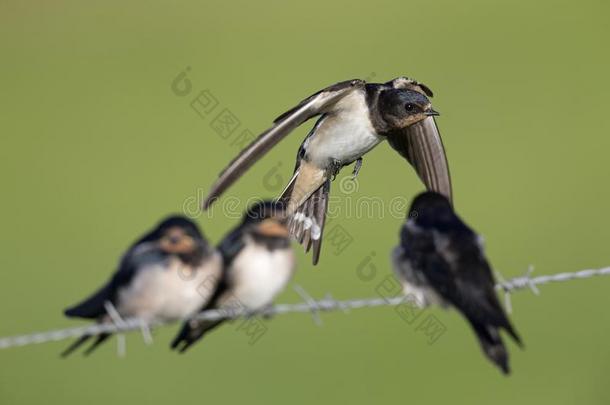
x=231 y=245
x=462 y=273
x=316 y=104
x=93 y=306
x=422 y=146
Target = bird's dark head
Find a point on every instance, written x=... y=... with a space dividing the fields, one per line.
x=267 y=219
x=431 y=210
x=403 y=82
x=400 y=108
x=180 y=236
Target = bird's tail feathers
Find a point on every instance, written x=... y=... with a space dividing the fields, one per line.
x=491 y=344
x=98 y=341
x=81 y=340
x=306 y=224
x=306 y=180
x=191 y=332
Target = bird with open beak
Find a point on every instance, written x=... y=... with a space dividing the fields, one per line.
x=158 y=279
x=354 y=117
x=440 y=260
x=258 y=264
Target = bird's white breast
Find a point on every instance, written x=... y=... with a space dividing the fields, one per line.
x=169 y=291
x=258 y=275
x=345 y=134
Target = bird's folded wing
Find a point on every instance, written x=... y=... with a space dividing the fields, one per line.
x=231 y=245
x=316 y=104
x=422 y=146
x=472 y=285
x=93 y=306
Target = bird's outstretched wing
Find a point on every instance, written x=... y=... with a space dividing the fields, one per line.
x=315 y=104
x=423 y=148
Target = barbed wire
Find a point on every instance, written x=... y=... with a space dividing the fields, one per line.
x=528 y=282
x=309 y=305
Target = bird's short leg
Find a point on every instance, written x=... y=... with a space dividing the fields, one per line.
x=334 y=167
x=357 y=168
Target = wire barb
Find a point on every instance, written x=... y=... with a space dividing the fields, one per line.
x=508 y=305
x=313 y=305
x=309 y=305
x=118 y=321
x=146 y=333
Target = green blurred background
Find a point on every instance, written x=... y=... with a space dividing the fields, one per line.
x=95 y=148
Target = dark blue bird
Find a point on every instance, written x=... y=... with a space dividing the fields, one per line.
x=440 y=260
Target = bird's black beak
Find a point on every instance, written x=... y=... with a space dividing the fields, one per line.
x=431 y=113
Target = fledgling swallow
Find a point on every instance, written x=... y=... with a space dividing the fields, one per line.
x=258 y=263
x=158 y=279
x=355 y=116
x=440 y=260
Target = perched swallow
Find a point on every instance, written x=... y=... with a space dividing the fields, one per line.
x=158 y=279
x=355 y=116
x=440 y=260
x=258 y=263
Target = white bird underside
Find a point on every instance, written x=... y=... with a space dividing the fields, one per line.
x=345 y=134
x=258 y=275
x=166 y=293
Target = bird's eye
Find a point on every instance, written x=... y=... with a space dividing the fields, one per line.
x=410 y=107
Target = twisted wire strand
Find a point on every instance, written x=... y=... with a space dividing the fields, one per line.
x=309 y=305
